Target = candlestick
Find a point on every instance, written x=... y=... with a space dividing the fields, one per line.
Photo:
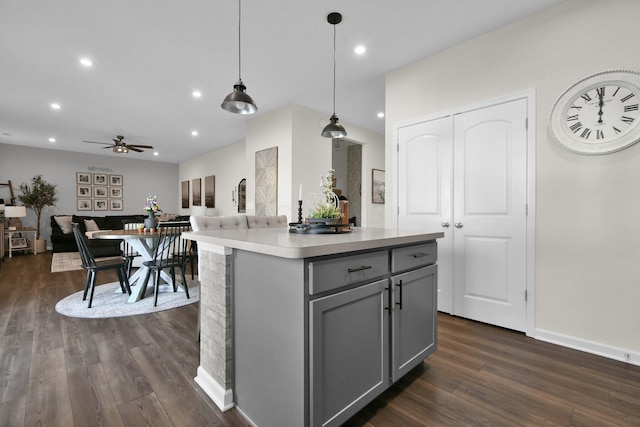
x=299 y=211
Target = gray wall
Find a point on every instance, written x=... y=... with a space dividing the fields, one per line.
x=140 y=177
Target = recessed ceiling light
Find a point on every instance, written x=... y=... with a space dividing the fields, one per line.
x=55 y=106
x=196 y=94
x=380 y=115
x=194 y=133
x=86 y=62
x=155 y=153
x=52 y=140
x=360 y=49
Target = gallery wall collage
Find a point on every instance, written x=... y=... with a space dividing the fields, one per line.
x=99 y=191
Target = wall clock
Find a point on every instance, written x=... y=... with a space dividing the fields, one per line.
x=598 y=114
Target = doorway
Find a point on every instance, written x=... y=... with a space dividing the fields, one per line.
x=347 y=164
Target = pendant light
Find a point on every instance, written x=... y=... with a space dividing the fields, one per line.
x=334 y=129
x=239 y=101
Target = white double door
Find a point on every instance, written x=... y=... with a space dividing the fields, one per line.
x=466 y=175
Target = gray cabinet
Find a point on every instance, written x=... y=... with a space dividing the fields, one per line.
x=349 y=356
x=364 y=338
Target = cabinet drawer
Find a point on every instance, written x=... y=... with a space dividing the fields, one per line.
x=334 y=273
x=413 y=256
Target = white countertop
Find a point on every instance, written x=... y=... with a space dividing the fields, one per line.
x=281 y=243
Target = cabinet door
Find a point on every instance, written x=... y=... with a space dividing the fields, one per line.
x=349 y=351
x=414 y=319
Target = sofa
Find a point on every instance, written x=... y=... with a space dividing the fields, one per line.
x=64 y=241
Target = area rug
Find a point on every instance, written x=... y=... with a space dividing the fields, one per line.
x=66 y=261
x=109 y=303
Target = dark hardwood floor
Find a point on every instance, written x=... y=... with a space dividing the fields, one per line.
x=138 y=371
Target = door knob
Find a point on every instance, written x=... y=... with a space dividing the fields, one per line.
x=445 y=224
x=458 y=225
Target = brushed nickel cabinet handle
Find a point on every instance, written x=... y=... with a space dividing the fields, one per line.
x=364 y=267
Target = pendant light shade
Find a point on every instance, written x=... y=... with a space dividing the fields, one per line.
x=238 y=101
x=334 y=129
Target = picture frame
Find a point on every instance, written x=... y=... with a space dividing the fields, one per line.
x=115 y=180
x=100 y=192
x=83 y=178
x=84 y=191
x=185 y=194
x=100 y=205
x=19 y=243
x=197 y=192
x=116 y=204
x=377 y=186
x=210 y=191
x=99 y=179
x=85 y=204
x=115 y=192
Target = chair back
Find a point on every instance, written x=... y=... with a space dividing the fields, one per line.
x=86 y=255
x=127 y=250
x=171 y=248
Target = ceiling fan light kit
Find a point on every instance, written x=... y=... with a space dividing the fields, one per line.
x=334 y=129
x=121 y=147
x=238 y=101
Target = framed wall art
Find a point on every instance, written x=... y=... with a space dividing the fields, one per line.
x=377 y=186
x=99 y=179
x=100 y=192
x=210 y=191
x=83 y=178
x=115 y=180
x=185 y=194
x=197 y=192
x=100 y=205
x=85 y=204
x=84 y=191
x=115 y=192
x=115 y=204
x=267 y=181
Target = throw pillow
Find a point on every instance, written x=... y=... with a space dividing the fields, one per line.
x=90 y=225
x=64 y=222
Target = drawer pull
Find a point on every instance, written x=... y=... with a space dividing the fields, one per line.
x=421 y=255
x=364 y=267
x=399 y=285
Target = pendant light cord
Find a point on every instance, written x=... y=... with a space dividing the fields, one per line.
x=239 y=47
x=334 y=69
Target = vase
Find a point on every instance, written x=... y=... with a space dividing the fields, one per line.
x=150 y=222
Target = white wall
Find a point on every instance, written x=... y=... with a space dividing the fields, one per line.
x=228 y=166
x=140 y=177
x=587 y=269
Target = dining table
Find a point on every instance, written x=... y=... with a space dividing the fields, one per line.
x=145 y=244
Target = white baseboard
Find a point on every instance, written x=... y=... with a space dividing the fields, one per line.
x=599 y=349
x=221 y=397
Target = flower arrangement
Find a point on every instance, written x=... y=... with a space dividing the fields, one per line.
x=151 y=206
x=328 y=206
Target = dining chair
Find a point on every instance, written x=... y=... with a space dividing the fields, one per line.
x=170 y=254
x=128 y=250
x=93 y=265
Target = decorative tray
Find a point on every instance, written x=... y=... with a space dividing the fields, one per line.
x=319 y=228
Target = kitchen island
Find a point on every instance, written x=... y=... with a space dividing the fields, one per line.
x=305 y=330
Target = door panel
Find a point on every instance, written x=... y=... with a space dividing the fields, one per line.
x=490 y=170
x=425 y=161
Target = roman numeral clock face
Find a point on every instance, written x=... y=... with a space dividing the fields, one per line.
x=599 y=114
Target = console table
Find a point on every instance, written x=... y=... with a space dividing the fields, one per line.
x=31 y=244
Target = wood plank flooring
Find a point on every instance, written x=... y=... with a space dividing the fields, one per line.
x=138 y=371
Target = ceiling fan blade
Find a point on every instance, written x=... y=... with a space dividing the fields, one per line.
x=140 y=146
x=94 y=142
x=111 y=146
x=134 y=149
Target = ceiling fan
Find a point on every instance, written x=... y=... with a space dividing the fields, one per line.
x=121 y=147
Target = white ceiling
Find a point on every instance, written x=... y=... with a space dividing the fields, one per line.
x=149 y=55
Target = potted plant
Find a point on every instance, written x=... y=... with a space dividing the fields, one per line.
x=36 y=197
